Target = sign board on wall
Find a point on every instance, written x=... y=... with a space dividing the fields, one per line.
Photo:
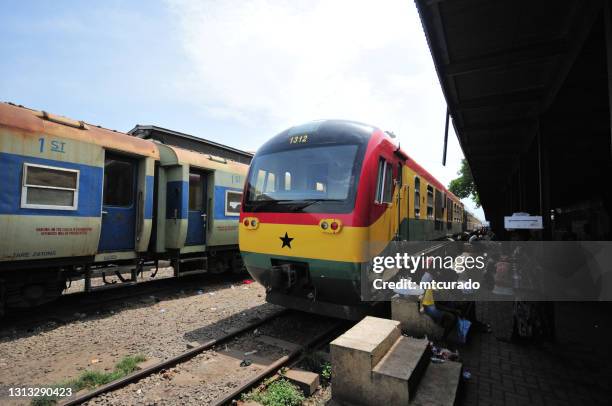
x=523 y=221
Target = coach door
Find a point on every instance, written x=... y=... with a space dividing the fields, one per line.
x=119 y=204
x=196 y=227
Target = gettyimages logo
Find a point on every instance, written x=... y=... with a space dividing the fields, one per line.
x=490 y=270
x=412 y=263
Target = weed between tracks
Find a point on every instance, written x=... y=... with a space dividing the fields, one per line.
x=93 y=379
x=317 y=362
x=280 y=392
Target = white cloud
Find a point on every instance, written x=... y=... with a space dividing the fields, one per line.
x=270 y=65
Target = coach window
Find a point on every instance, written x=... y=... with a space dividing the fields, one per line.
x=430 y=202
x=384 y=184
x=266 y=182
x=380 y=180
x=47 y=187
x=270 y=185
x=261 y=179
x=400 y=175
x=417 y=197
x=388 y=191
x=118 y=182
x=196 y=192
x=287 y=181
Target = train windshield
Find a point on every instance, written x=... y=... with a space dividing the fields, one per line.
x=312 y=179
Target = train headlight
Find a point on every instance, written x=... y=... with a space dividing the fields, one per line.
x=331 y=226
x=250 y=223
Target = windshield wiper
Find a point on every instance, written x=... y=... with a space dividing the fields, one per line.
x=258 y=204
x=294 y=205
x=301 y=205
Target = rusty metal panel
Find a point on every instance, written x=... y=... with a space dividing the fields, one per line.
x=209 y=162
x=32 y=123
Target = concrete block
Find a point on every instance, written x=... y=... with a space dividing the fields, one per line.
x=397 y=375
x=413 y=322
x=372 y=364
x=356 y=352
x=307 y=381
x=371 y=335
x=439 y=385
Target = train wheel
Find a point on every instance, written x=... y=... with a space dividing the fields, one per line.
x=34 y=289
x=237 y=264
x=217 y=265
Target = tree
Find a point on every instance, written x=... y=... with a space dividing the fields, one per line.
x=463 y=186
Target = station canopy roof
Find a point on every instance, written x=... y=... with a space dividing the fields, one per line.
x=501 y=64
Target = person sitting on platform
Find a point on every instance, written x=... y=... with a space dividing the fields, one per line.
x=446 y=319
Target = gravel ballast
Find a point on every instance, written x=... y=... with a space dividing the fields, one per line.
x=156 y=328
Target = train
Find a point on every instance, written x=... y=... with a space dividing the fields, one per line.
x=321 y=199
x=472 y=223
x=80 y=201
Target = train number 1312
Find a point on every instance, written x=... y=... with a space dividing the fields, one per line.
x=298 y=139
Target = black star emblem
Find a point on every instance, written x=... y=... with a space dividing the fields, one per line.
x=286 y=241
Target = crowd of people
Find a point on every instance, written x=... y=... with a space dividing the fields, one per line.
x=502 y=282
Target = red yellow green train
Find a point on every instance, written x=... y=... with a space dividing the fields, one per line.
x=322 y=199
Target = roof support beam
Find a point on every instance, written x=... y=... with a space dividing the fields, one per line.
x=523 y=96
x=507 y=58
x=586 y=12
x=505 y=124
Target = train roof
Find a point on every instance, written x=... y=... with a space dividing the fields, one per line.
x=33 y=122
x=326 y=131
x=202 y=160
x=348 y=131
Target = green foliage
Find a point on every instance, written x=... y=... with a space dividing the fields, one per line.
x=92 y=379
x=279 y=393
x=129 y=364
x=43 y=401
x=326 y=372
x=316 y=361
x=463 y=186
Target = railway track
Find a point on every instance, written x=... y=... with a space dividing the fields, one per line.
x=315 y=338
x=72 y=306
x=288 y=360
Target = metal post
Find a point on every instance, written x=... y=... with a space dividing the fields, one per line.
x=608 y=34
x=544 y=176
x=445 y=137
x=608 y=42
x=541 y=198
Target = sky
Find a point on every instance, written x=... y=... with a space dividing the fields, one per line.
x=235 y=72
